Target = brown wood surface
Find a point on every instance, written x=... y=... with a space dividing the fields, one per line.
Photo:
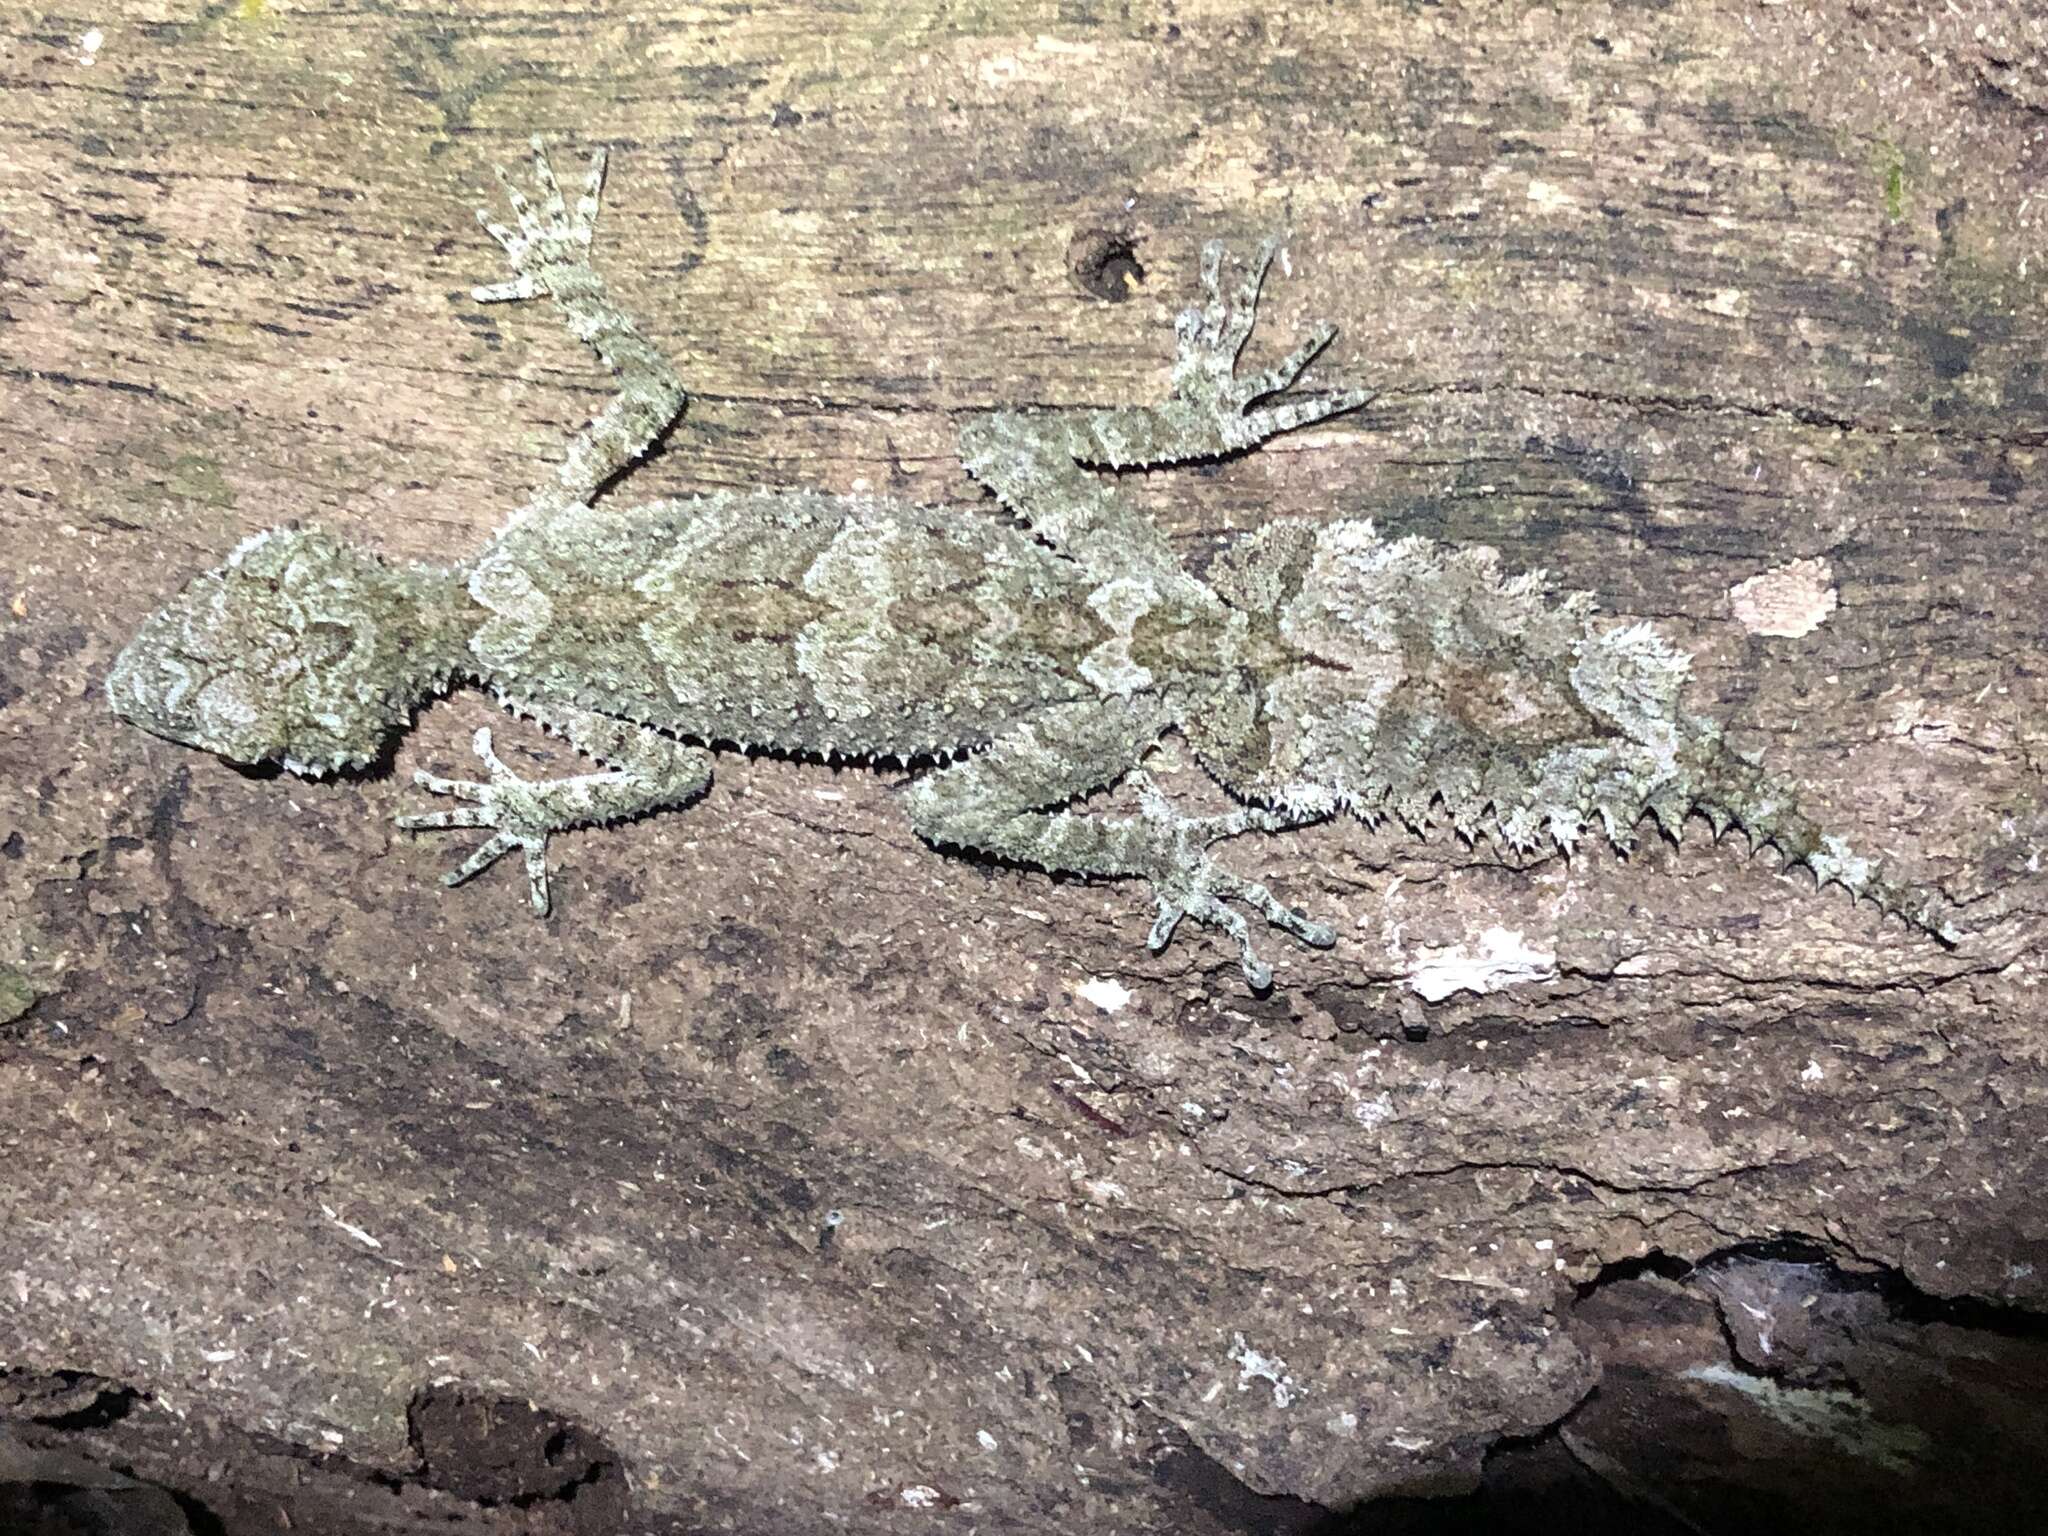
x=790 y=1158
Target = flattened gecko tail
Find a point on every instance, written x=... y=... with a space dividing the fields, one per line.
x=1732 y=791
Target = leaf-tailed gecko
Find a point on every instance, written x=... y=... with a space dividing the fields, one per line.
x=1028 y=660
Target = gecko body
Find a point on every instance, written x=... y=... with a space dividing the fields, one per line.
x=1033 y=658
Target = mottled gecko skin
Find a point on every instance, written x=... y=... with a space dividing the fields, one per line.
x=1315 y=669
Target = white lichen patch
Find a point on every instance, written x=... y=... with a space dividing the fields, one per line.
x=1787 y=601
x=1253 y=1366
x=1499 y=959
x=1374 y=1112
x=1108 y=995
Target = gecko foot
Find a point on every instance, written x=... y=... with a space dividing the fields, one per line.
x=517 y=809
x=552 y=241
x=1187 y=882
x=1211 y=336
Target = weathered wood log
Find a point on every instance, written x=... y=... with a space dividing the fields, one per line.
x=824 y=1177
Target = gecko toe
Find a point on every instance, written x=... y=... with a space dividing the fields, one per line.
x=441 y=821
x=537 y=875
x=459 y=789
x=1283 y=373
x=1257 y=974
x=1163 y=924
x=500 y=293
x=482 y=859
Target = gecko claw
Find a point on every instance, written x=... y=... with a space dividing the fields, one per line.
x=1257 y=974
x=1210 y=337
x=507 y=803
x=1187 y=883
x=552 y=240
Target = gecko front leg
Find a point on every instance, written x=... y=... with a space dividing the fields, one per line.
x=1009 y=801
x=649 y=771
x=549 y=252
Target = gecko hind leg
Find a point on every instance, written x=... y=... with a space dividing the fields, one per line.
x=1210 y=402
x=651 y=771
x=1013 y=800
x=1040 y=463
x=1188 y=883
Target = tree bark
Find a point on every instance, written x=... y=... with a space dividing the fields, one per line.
x=818 y=1175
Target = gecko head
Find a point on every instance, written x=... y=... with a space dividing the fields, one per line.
x=286 y=653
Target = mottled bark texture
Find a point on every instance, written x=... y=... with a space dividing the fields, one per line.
x=818 y=1176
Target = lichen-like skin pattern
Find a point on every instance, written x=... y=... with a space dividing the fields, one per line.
x=1316 y=669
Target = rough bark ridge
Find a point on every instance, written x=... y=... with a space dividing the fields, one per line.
x=819 y=1175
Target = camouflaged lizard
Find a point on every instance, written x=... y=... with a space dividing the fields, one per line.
x=1031 y=659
